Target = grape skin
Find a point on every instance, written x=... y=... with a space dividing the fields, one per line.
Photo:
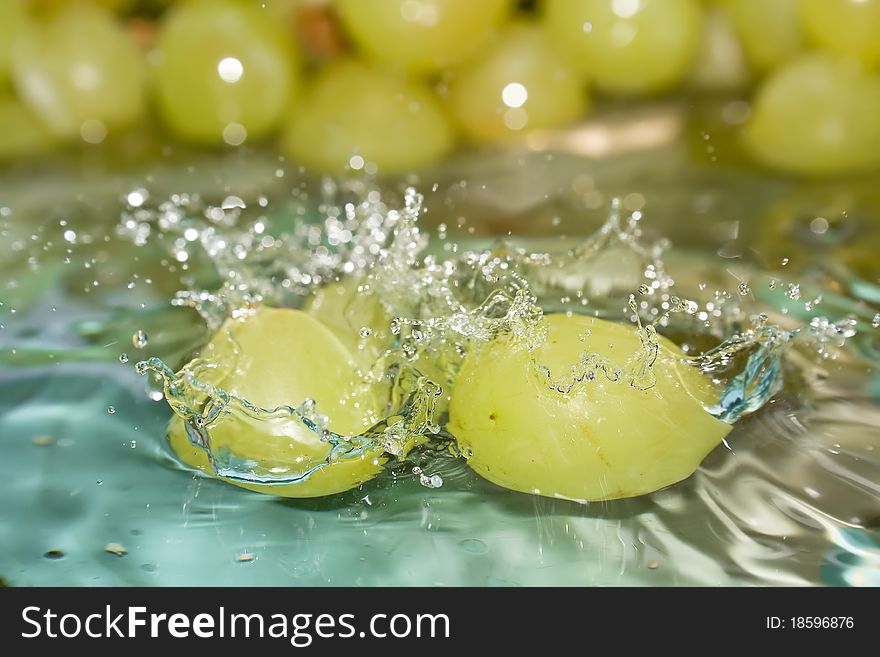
x=628 y=47
x=79 y=73
x=12 y=21
x=520 y=84
x=355 y=116
x=817 y=115
x=21 y=134
x=846 y=27
x=281 y=357
x=770 y=32
x=609 y=440
x=421 y=35
x=225 y=73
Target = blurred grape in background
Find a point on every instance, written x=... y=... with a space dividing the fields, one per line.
x=390 y=86
x=155 y=152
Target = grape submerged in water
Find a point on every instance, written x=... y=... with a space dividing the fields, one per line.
x=281 y=357
x=604 y=440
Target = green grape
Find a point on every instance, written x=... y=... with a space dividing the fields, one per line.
x=360 y=322
x=627 y=46
x=347 y=311
x=421 y=35
x=846 y=27
x=12 y=20
x=770 y=32
x=520 y=84
x=225 y=72
x=21 y=134
x=602 y=441
x=80 y=73
x=720 y=64
x=282 y=357
x=817 y=115
x=354 y=116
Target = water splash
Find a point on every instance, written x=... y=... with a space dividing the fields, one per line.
x=432 y=312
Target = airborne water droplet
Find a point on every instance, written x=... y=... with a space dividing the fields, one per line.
x=139 y=339
x=111 y=410
x=876 y=321
x=123 y=358
x=744 y=289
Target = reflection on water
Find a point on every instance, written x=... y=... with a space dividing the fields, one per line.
x=97 y=498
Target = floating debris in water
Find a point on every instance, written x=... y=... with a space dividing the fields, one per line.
x=54 y=554
x=116 y=548
x=245 y=557
x=44 y=441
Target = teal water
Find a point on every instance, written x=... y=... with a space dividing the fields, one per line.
x=96 y=498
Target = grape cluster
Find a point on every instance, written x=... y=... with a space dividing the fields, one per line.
x=391 y=85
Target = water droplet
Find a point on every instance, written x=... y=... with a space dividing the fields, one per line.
x=644 y=289
x=744 y=289
x=785 y=261
x=111 y=410
x=876 y=321
x=133 y=444
x=794 y=291
x=772 y=284
x=139 y=339
x=366 y=331
x=123 y=358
